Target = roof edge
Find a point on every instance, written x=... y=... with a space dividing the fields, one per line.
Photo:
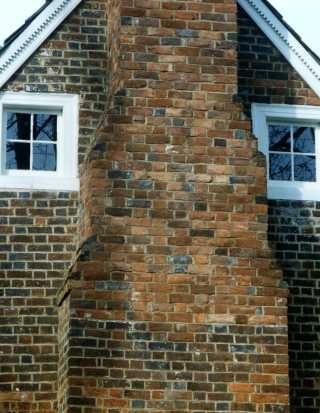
x=30 y=39
x=288 y=45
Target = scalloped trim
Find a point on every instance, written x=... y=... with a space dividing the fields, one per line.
x=30 y=39
x=33 y=36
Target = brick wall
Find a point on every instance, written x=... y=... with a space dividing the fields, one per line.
x=37 y=240
x=175 y=301
x=264 y=76
x=294 y=232
x=38 y=230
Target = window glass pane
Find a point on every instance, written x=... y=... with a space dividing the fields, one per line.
x=44 y=157
x=17 y=155
x=18 y=126
x=279 y=167
x=45 y=127
x=303 y=139
x=304 y=168
x=279 y=138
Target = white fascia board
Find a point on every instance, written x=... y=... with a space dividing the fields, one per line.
x=288 y=45
x=33 y=36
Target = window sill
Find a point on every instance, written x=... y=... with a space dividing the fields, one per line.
x=45 y=183
x=305 y=191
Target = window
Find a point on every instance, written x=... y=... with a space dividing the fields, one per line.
x=291 y=152
x=31 y=140
x=39 y=141
x=289 y=136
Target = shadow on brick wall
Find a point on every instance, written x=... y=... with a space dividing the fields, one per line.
x=294 y=232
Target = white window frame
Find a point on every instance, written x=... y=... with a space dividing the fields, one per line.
x=262 y=115
x=67 y=108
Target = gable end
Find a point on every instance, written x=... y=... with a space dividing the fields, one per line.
x=288 y=44
x=30 y=39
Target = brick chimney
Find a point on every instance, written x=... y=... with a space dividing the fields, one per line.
x=174 y=303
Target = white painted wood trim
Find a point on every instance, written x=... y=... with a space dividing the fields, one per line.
x=288 y=45
x=66 y=177
x=33 y=37
x=40 y=183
